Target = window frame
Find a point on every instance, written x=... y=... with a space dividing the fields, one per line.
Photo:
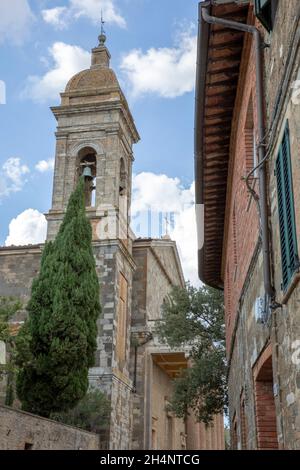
x=285 y=203
x=265 y=11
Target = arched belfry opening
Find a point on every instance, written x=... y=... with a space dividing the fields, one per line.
x=87 y=167
x=123 y=178
x=123 y=209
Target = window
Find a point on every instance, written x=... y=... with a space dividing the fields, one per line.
x=286 y=211
x=265 y=11
x=28 y=446
x=122 y=178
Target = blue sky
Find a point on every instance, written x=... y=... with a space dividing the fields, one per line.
x=152 y=44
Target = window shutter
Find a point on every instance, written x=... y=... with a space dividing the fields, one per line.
x=265 y=11
x=286 y=211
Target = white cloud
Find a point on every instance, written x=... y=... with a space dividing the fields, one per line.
x=61 y=17
x=12 y=176
x=45 y=165
x=160 y=192
x=166 y=197
x=29 y=227
x=185 y=235
x=56 y=17
x=67 y=61
x=167 y=72
x=15 y=20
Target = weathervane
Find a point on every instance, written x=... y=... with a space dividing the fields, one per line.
x=102 y=37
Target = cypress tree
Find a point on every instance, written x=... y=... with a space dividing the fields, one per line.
x=61 y=325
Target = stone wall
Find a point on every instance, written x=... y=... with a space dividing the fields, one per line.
x=19 y=265
x=25 y=431
x=157 y=271
x=247 y=339
x=153 y=278
x=111 y=373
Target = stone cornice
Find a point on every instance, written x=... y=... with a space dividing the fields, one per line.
x=118 y=105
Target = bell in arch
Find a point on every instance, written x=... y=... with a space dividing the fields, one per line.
x=87 y=172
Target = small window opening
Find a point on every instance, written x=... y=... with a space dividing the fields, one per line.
x=28 y=446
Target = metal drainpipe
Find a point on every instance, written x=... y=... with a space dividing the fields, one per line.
x=263 y=203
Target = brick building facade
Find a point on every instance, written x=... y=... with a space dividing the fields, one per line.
x=255 y=229
x=95 y=137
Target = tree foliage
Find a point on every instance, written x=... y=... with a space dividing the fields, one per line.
x=194 y=318
x=56 y=346
x=91 y=413
x=8 y=307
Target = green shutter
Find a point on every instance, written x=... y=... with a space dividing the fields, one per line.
x=265 y=11
x=286 y=211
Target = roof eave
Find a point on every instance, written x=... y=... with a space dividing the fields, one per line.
x=202 y=51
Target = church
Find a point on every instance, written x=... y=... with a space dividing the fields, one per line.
x=95 y=137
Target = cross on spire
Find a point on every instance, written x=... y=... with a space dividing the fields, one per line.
x=102 y=23
x=102 y=37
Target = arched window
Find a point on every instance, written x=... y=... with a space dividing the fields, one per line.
x=123 y=208
x=87 y=167
x=123 y=178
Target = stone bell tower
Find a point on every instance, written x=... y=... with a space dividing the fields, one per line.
x=95 y=135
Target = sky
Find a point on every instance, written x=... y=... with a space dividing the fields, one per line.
x=43 y=44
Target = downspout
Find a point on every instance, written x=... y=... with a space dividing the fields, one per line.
x=263 y=202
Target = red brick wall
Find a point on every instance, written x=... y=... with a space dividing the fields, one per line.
x=266 y=428
x=265 y=415
x=241 y=223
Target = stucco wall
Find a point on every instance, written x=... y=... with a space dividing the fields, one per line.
x=161 y=393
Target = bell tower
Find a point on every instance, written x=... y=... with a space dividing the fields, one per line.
x=94 y=138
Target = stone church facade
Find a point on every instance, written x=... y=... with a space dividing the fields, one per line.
x=95 y=136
